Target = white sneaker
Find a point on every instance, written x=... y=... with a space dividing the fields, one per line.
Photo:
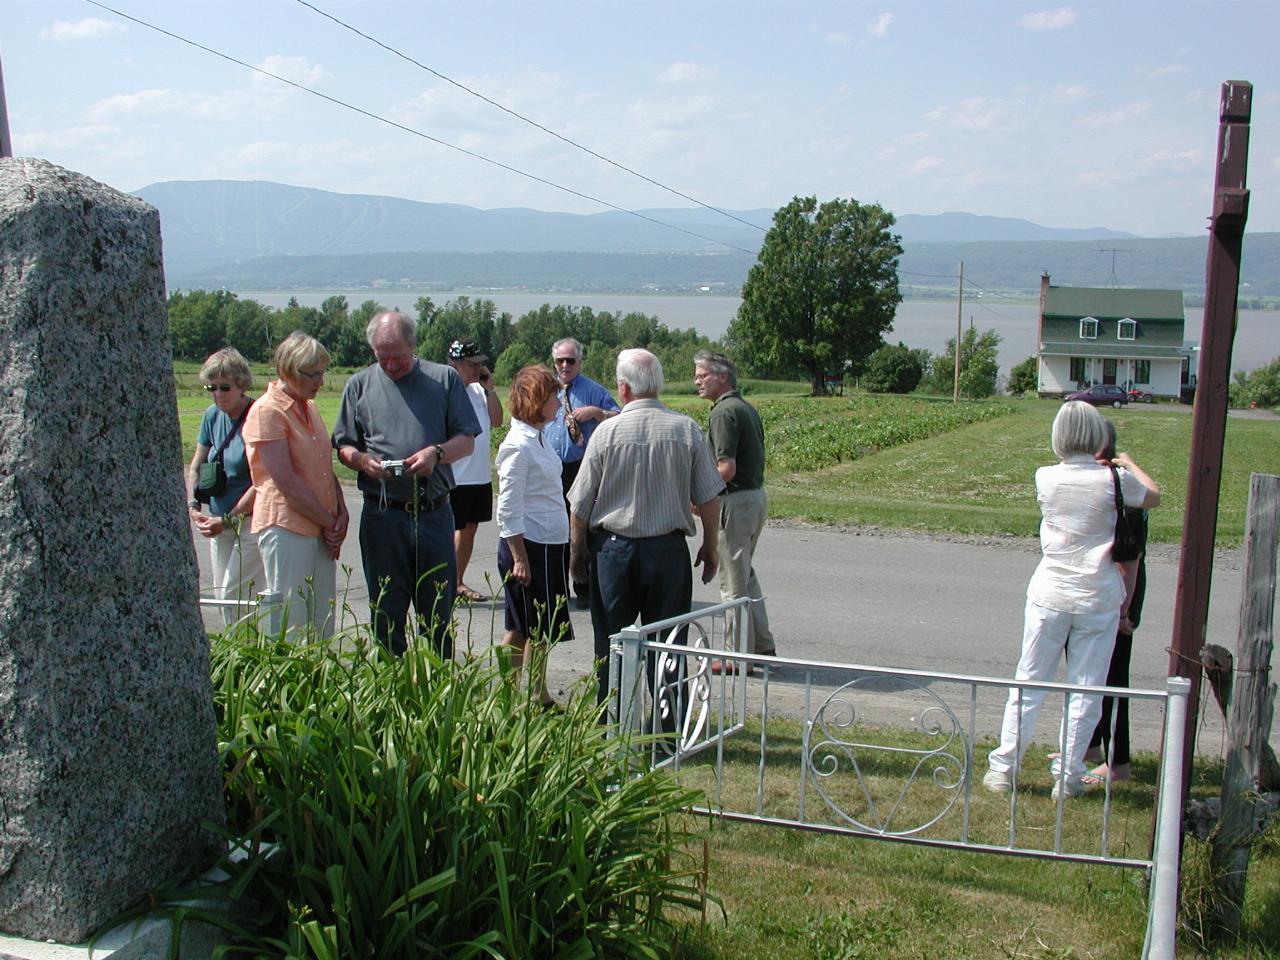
x=998 y=781
x=1073 y=786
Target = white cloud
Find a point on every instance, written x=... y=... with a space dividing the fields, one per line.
x=1115 y=118
x=910 y=139
x=1049 y=19
x=1070 y=92
x=925 y=164
x=665 y=113
x=296 y=69
x=90 y=28
x=1155 y=73
x=837 y=39
x=684 y=72
x=72 y=138
x=880 y=25
x=973 y=113
x=126 y=104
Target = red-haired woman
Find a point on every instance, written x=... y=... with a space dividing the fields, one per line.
x=532 y=524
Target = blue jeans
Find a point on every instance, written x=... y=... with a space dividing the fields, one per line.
x=407 y=559
x=649 y=577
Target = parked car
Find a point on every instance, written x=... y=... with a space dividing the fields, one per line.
x=1102 y=395
x=1140 y=396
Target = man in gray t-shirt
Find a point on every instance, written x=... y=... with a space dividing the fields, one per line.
x=401 y=423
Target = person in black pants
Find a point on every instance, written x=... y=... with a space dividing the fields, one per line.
x=1104 y=748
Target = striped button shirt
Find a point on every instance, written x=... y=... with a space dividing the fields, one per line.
x=641 y=471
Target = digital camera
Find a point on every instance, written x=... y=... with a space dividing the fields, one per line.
x=394 y=467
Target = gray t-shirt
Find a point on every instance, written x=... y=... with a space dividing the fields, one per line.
x=393 y=419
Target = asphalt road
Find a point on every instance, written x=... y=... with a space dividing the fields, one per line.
x=888 y=600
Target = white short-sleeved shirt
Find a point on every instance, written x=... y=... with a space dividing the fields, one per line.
x=475 y=467
x=1078 y=523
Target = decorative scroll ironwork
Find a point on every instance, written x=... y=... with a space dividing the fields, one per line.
x=867 y=784
x=685 y=677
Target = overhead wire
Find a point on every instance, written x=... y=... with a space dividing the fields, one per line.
x=415 y=132
x=521 y=117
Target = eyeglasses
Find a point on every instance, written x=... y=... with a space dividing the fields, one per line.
x=312 y=375
x=219 y=387
x=570 y=361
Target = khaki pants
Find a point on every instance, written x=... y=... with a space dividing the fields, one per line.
x=299 y=569
x=742 y=517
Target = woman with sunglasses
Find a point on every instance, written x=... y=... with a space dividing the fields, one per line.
x=299 y=513
x=237 y=565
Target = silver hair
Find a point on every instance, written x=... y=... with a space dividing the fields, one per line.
x=641 y=371
x=227 y=364
x=577 y=347
x=717 y=363
x=1078 y=429
x=405 y=327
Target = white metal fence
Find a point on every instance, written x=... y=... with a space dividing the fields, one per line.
x=912 y=781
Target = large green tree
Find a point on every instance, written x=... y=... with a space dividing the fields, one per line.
x=822 y=292
x=979 y=365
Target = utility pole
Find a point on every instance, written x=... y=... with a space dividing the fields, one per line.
x=955 y=389
x=1209 y=416
x=6 y=144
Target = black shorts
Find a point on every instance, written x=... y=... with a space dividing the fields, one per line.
x=472 y=503
x=542 y=608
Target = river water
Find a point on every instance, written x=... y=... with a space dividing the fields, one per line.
x=919 y=323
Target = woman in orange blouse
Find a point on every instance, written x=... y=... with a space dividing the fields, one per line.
x=299 y=513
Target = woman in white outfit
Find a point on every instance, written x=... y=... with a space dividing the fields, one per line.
x=1075 y=594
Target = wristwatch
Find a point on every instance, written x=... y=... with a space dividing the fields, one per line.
x=194 y=504
x=439 y=454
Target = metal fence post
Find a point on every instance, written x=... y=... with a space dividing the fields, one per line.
x=630 y=676
x=1162 y=914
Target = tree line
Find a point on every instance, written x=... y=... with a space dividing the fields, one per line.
x=202 y=321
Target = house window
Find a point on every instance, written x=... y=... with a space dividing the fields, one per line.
x=1127 y=329
x=1077 y=369
x=1142 y=371
x=1088 y=329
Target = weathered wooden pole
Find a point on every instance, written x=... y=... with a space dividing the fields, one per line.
x=955 y=387
x=1252 y=703
x=6 y=143
x=1209 y=418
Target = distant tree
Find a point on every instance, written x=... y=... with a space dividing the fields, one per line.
x=1260 y=387
x=1024 y=378
x=979 y=365
x=196 y=324
x=893 y=369
x=512 y=360
x=247 y=327
x=822 y=292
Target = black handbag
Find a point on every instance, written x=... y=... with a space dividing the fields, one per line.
x=1125 y=545
x=211 y=476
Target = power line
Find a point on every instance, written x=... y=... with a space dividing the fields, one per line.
x=519 y=116
x=417 y=133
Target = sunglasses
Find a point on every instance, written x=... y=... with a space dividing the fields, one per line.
x=219 y=387
x=568 y=360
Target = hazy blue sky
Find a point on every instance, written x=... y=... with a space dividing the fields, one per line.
x=1088 y=114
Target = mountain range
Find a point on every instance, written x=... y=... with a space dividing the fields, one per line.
x=256 y=235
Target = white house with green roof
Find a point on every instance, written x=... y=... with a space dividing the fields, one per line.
x=1129 y=337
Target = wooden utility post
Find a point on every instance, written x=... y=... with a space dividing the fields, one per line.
x=1209 y=418
x=955 y=389
x=6 y=144
x=1252 y=703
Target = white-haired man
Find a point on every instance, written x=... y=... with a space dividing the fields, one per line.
x=629 y=510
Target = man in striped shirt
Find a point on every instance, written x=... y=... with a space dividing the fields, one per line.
x=629 y=510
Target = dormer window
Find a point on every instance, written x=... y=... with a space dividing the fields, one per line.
x=1088 y=329
x=1127 y=329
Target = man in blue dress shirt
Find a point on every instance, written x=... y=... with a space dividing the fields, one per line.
x=583 y=405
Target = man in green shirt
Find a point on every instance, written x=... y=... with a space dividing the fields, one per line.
x=736 y=437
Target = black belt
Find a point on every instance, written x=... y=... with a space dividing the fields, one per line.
x=422 y=506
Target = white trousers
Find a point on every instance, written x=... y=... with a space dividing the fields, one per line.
x=299 y=569
x=742 y=517
x=237 y=569
x=1087 y=639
